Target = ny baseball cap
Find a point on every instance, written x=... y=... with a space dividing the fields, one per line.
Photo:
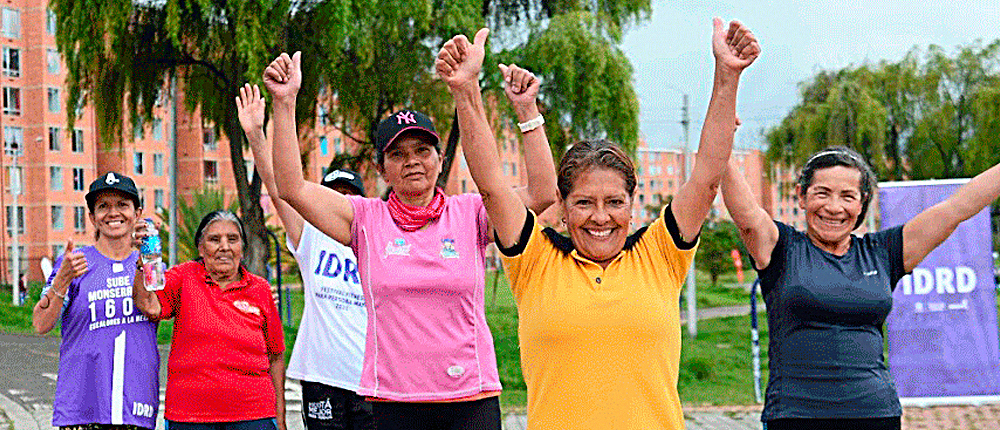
x=396 y=124
x=112 y=181
x=343 y=176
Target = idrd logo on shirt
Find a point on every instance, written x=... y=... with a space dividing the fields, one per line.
x=945 y=280
x=143 y=410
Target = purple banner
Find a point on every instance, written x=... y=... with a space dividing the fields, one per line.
x=943 y=326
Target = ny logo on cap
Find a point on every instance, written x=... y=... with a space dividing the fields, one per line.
x=111 y=179
x=405 y=117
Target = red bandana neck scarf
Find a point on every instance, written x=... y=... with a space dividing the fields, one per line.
x=412 y=218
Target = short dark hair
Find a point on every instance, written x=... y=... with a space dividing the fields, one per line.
x=841 y=156
x=594 y=153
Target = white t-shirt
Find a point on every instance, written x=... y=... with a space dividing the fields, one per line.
x=330 y=346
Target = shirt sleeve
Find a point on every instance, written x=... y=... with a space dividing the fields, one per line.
x=666 y=237
x=362 y=208
x=482 y=220
x=890 y=242
x=274 y=333
x=769 y=275
x=305 y=239
x=520 y=259
x=170 y=295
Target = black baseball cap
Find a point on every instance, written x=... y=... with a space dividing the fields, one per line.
x=343 y=176
x=112 y=181
x=396 y=124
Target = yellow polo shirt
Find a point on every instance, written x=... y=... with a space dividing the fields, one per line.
x=600 y=348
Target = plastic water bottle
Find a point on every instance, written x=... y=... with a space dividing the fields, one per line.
x=152 y=258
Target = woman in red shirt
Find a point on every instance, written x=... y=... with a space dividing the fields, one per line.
x=226 y=369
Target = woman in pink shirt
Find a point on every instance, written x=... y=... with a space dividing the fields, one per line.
x=429 y=357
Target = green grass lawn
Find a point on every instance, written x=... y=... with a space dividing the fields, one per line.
x=715 y=368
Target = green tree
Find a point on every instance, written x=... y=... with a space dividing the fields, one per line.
x=718 y=239
x=119 y=54
x=929 y=115
x=573 y=46
x=363 y=59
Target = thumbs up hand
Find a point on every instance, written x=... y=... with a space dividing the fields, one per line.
x=460 y=61
x=73 y=265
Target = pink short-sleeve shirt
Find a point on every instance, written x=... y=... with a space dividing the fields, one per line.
x=427 y=337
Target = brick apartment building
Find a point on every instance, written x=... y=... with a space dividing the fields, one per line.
x=661 y=173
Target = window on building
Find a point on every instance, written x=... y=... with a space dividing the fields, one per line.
x=137 y=131
x=513 y=168
x=137 y=167
x=78 y=179
x=336 y=146
x=54 y=139
x=57 y=218
x=54 y=100
x=20 y=220
x=157 y=129
x=77 y=140
x=142 y=197
x=211 y=171
x=11 y=101
x=11 y=23
x=15 y=178
x=13 y=138
x=53 y=62
x=324 y=146
x=55 y=178
x=158 y=199
x=11 y=61
x=208 y=139
x=58 y=250
x=50 y=22
x=158 y=164
x=79 y=218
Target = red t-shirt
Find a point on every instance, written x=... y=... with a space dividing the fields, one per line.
x=218 y=366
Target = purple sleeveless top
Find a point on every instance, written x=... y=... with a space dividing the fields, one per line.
x=108 y=361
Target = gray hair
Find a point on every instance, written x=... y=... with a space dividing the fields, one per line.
x=220 y=215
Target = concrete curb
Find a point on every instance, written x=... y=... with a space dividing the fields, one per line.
x=19 y=416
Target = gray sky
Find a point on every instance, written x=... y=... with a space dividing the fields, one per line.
x=671 y=52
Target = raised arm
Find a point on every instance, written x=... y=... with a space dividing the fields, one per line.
x=326 y=209
x=250 y=109
x=928 y=229
x=734 y=50
x=757 y=229
x=521 y=88
x=458 y=63
x=49 y=306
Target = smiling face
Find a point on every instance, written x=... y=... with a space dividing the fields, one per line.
x=411 y=166
x=221 y=247
x=832 y=204
x=114 y=214
x=598 y=211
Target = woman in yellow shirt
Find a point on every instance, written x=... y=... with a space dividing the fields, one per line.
x=599 y=324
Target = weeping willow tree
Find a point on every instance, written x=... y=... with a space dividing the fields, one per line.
x=362 y=60
x=930 y=115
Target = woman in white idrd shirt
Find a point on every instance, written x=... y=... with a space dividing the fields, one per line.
x=330 y=346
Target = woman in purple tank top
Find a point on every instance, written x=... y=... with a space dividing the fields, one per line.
x=108 y=361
